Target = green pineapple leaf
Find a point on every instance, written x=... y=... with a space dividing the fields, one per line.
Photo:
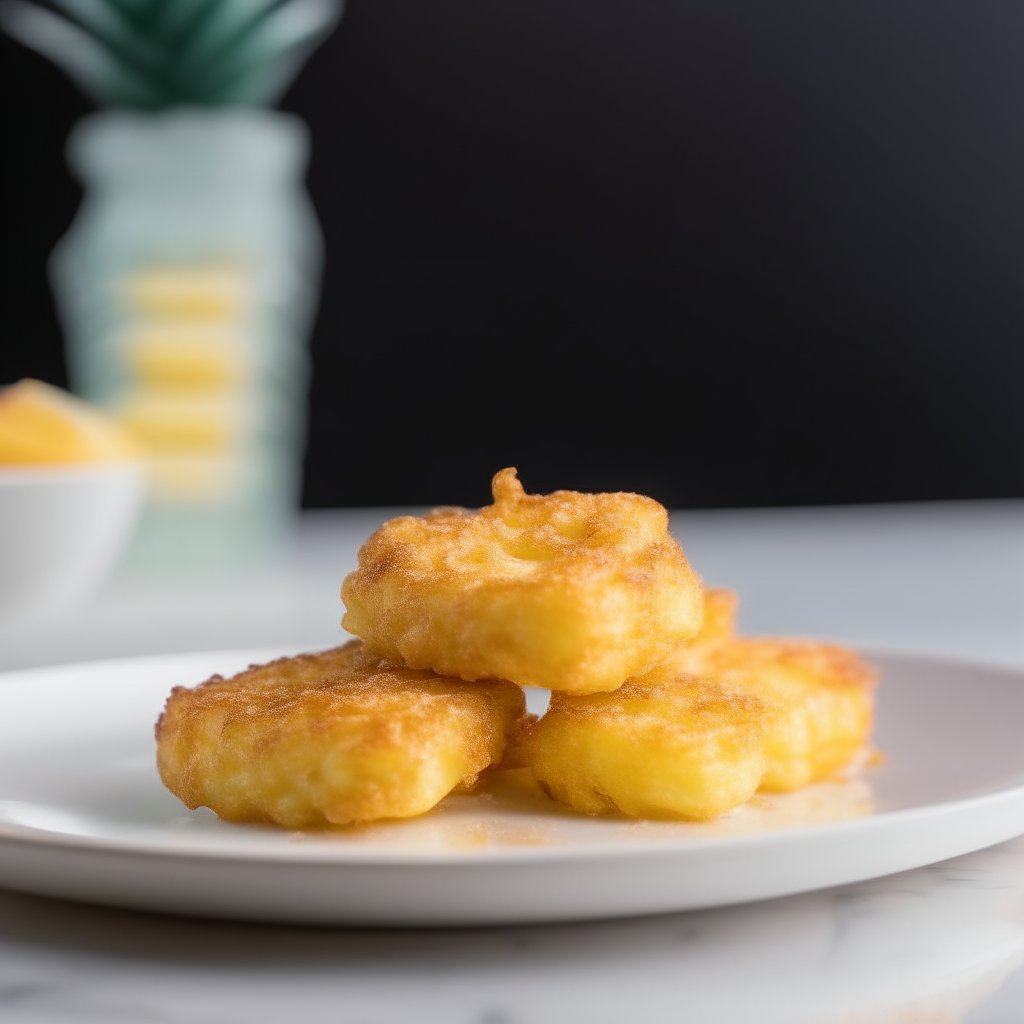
x=161 y=53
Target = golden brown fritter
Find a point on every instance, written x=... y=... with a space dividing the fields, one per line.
x=720 y=607
x=565 y=591
x=335 y=737
x=660 y=746
x=823 y=696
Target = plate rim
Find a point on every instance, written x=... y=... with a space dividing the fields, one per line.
x=308 y=855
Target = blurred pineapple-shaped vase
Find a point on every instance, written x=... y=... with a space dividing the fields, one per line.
x=186 y=286
x=187 y=283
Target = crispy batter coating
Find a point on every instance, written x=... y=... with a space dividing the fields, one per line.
x=823 y=696
x=565 y=591
x=335 y=737
x=660 y=746
x=720 y=606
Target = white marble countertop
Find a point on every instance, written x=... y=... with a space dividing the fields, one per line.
x=938 y=944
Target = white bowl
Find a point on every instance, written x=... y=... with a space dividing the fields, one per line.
x=62 y=530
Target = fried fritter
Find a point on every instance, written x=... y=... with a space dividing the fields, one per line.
x=720 y=607
x=660 y=746
x=335 y=737
x=565 y=591
x=823 y=696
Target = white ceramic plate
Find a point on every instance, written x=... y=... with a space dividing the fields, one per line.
x=83 y=816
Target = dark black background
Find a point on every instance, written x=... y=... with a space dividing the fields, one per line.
x=728 y=252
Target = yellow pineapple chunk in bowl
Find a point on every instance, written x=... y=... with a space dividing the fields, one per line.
x=660 y=746
x=71 y=488
x=41 y=425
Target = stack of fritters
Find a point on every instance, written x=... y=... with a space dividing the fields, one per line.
x=657 y=709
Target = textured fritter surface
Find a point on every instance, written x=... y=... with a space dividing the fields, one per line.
x=822 y=694
x=566 y=591
x=660 y=746
x=720 y=607
x=334 y=737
